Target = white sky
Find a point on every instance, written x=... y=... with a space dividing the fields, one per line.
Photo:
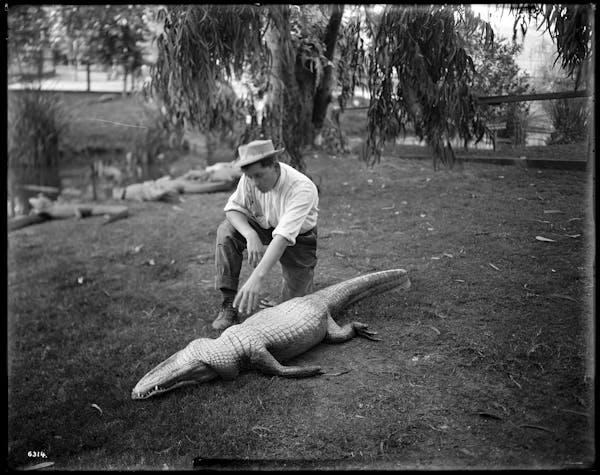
x=538 y=48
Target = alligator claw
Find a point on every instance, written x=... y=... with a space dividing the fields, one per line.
x=369 y=335
x=361 y=330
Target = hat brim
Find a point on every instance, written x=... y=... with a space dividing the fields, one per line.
x=249 y=161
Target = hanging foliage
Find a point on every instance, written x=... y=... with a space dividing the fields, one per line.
x=570 y=26
x=420 y=74
x=413 y=61
x=200 y=47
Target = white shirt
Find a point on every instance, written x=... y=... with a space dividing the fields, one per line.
x=291 y=207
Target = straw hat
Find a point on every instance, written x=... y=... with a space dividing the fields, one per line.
x=255 y=151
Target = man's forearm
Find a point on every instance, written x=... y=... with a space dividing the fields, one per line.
x=240 y=222
x=274 y=251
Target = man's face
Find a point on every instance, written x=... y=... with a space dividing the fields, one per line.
x=264 y=178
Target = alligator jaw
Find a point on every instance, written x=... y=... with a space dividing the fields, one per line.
x=177 y=370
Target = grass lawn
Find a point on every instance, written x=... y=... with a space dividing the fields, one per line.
x=486 y=362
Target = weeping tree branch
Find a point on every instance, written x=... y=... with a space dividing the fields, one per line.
x=411 y=59
x=203 y=47
x=571 y=28
x=420 y=74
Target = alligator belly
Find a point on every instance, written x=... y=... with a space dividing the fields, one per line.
x=294 y=342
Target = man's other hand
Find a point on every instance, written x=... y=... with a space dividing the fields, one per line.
x=255 y=248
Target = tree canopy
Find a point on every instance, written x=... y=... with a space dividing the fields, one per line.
x=412 y=60
x=273 y=70
x=102 y=34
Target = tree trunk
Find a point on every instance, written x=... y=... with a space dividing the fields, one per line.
x=124 y=80
x=211 y=146
x=88 y=71
x=40 y=65
x=323 y=93
x=286 y=110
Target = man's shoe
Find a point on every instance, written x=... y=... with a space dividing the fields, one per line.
x=227 y=316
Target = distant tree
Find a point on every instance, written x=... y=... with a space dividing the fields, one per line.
x=497 y=73
x=28 y=35
x=106 y=34
x=81 y=24
x=122 y=32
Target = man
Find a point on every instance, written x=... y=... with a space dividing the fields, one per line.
x=276 y=206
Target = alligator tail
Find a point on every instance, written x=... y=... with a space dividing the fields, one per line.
x=339 y=296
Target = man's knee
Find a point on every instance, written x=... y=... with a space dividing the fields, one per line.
x=225 y=231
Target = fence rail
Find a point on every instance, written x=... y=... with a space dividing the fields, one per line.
x=496 y=100
x=544 y=96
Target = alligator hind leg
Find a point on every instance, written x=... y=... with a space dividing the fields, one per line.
x=266 y=362
x=337 y=334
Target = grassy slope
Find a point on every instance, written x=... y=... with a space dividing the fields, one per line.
x=478 y=367
x=466 y=339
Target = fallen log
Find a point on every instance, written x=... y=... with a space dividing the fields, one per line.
x=209 y=187
x=42 y=206
x=167 y=189
x=22 y=221
x=45 y=210
x=114 y=217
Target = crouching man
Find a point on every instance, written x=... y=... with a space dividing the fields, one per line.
x=273 y=215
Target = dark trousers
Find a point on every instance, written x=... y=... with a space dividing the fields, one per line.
x=297 y=262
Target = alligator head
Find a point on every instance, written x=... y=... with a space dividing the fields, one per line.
x=180 y=369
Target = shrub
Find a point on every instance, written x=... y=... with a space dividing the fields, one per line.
x=571 y=120
x=155 y=141
x=36 y=125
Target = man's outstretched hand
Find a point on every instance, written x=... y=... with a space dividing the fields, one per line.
x=248 y=297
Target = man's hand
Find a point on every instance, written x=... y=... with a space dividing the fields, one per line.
x=248 y=296
x=255 y=248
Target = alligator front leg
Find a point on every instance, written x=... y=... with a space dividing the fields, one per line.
x=266 y=362
x=337 y=334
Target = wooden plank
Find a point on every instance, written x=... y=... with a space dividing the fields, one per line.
x=495 y=100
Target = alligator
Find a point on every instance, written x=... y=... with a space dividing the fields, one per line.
x=274 y=334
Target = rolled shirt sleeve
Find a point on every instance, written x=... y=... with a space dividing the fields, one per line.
x=296 y=217
x=237 y=200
